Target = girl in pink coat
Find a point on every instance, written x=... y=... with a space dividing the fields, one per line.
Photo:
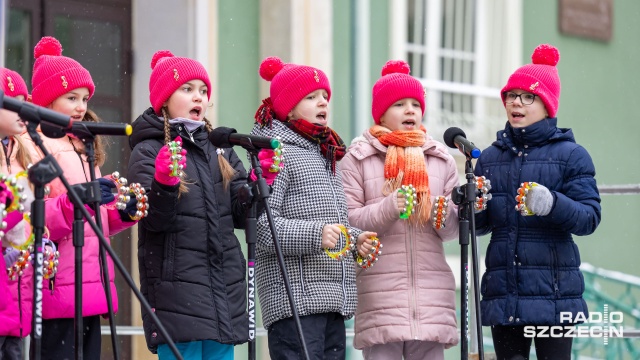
x=63 y=85
x=15 y=318
x=406 y=299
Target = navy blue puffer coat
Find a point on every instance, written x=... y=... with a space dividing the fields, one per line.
x=532 y=262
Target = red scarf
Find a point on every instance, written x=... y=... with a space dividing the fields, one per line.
x=331 y=145
x=405 y=165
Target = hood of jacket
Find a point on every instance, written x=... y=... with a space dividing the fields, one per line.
x=534 y=135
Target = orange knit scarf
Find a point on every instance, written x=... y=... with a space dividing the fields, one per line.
x=405 y=165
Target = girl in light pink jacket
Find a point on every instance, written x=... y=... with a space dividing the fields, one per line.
x=63 y=85
x=406 y=300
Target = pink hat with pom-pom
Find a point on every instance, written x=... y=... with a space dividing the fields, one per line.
x=539 y=78
x=290 y=83
x=169 y=72
x=13 y=84
x=395 y=84
x=55 y=75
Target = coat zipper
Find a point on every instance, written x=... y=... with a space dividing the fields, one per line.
x=413 y=305
x=344 y=290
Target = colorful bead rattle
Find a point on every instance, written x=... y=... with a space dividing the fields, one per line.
x=439 y=213
x=409 y=200
x=142 y=202
x=51 y=259
x=483 y=185
x=278 y=157
x=371 y=258
x=521 y=198
x=124 y=195
x=348 y=247
x=22 y=263
x=176 y=155
x=123 y=190
x=50 y=255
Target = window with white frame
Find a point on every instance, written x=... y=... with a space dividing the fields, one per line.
x=463 y=51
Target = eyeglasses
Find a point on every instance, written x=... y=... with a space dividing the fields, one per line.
x=525 y=98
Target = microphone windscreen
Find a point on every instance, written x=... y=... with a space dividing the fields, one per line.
x=450 y=135
x=219 y=137
x=51 y=131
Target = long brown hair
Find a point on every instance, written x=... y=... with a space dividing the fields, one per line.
x=98 y=143
x=22 y=155
x=228 y=172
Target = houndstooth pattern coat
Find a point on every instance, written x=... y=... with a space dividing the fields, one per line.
x=306 y=196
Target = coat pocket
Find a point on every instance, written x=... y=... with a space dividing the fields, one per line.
x=169 y=257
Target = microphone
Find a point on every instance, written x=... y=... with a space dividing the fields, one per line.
x=224 y=137
x=54 y=124
x=82 y=129
x=456 y=138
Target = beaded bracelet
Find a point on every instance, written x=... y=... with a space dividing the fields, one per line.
x=142 y=202
x=176 y=155
x=483 y=185
x=277 y=158
x=439 y=213
x=410 y=200
x=349 y=246
x=371 y=258
x=523 y=190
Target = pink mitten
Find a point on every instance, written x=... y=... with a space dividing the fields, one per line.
x=170 y=162
x=270 y=163
x=6 y=196
x=12 y=219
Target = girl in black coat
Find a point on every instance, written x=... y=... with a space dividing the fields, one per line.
x=192 y=270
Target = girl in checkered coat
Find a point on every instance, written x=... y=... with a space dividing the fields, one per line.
x=309 y=208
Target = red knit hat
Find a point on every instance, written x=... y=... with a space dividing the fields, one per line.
x=395 y=84
x=290 y=83
x=55 y=75
x=169 y=73
x=13 y=84
x=540 y=78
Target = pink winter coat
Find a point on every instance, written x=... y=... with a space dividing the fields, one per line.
x=409 y=294
x=59 y=302
x=15 y=319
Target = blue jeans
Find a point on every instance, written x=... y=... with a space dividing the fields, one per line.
x=198 y=350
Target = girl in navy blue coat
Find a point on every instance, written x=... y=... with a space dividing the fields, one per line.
x=544 y=191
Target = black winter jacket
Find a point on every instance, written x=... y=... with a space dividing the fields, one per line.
x=192 y=270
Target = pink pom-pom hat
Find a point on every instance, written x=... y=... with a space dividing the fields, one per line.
x=55 y=75
x=539 y=78
x=290 y=83
x=13 y=84
x=395 y=84
x=169 y=73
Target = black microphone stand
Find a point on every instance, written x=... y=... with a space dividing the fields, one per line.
x=251 y=194
x=88 y=138
x=465 y=197
x=40 y=174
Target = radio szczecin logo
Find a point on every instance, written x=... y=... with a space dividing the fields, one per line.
x=598 y=324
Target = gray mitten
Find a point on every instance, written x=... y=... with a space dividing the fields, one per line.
x=539 y=200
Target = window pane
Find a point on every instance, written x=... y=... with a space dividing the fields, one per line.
x=102 y=58
x=19 y=53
